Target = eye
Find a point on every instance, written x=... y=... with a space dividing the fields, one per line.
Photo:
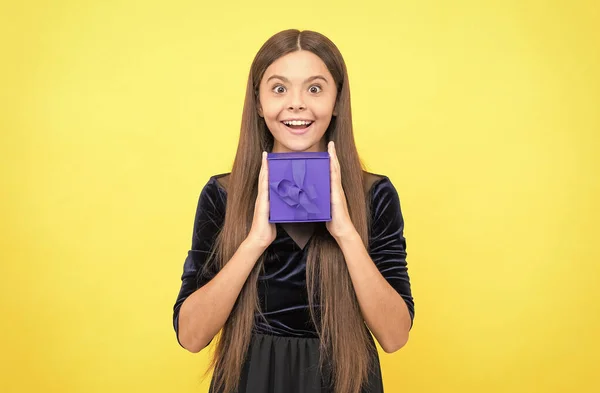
x=278 y=89
x=315 y=89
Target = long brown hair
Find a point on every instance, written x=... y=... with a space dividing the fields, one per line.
x=346 y=346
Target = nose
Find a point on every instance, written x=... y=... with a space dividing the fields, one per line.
x=296 y=101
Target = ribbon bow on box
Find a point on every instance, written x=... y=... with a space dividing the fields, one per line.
x=295 y=193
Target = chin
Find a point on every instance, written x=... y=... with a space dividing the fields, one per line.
x=298 y=147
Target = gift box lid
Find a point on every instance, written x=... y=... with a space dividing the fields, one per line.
x=303 y=155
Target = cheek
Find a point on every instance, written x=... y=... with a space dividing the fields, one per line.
x=271 y=111
x=324 y=107
x=271 y=116
x=323 y=111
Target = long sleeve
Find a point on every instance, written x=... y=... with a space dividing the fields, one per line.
x=210 y=215
x=387 y=245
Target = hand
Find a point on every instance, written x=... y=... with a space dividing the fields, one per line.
x=340 y=225
x=262 y=232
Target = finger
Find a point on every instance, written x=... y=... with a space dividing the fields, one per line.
x=337 y=162
x=265 y=179
x=261 y=174
x=331 y=150
x=265 y=184
x=335 y=181
x=262 y=163
x=334 y=162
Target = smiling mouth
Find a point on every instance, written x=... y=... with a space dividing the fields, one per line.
x=298 y=128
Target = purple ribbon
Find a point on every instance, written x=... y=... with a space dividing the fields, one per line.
x=295 y=194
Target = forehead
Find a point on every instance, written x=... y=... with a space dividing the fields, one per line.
x=298 y=65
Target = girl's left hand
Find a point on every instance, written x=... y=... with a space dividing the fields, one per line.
x=340 y=225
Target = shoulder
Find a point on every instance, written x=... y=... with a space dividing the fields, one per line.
x=381 y=195
x=375 y=183
x=220 y=180
x=217 y=184
x=213 y=195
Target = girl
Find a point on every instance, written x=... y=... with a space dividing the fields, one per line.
x=296 y=303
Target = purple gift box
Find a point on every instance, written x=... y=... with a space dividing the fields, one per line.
x=299 y=187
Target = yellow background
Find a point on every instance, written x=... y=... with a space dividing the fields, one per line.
x=483 y=113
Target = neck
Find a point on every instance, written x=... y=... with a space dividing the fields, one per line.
x=319 y=147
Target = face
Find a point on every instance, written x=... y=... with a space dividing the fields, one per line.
x=297 y=97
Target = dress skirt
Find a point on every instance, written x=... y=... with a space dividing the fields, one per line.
x=277 y=364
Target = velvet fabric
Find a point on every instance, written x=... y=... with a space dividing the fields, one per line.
x=282 y=287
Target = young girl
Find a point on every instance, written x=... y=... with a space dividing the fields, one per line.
x=296 y=303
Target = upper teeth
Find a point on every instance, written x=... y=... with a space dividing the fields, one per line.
x=297 y=122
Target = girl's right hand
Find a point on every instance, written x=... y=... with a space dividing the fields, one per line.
x=262 y=232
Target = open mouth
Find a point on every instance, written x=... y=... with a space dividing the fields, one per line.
x=298 y=126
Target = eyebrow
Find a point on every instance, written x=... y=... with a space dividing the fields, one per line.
x=310 y=79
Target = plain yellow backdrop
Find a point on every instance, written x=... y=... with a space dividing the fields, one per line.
x=484 y=114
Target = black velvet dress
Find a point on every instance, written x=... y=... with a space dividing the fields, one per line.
x=284 y=354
